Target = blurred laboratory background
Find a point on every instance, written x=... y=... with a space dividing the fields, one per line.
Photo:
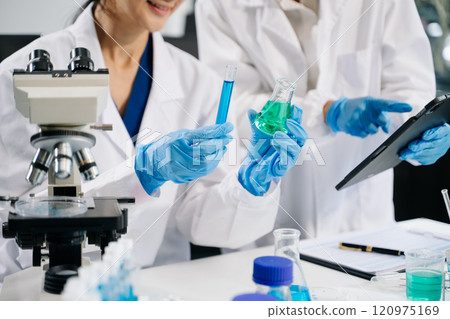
x=416 y=189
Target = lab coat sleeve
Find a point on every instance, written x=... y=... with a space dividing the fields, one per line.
x=12 y=258
x=224 y=214
x=219 y=46
x=12 y=180
x=407 y=63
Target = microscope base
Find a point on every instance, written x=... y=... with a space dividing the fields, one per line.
x=28 y=285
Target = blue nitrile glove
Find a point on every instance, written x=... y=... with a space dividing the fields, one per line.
x=363 y=116
x=181 y=156
x=269 y=157
x=432 y=146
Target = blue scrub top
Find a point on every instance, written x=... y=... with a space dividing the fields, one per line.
x=140 y=91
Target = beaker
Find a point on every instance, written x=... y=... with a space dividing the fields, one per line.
x=277 y=110
x=424 y=272
x=287 y=245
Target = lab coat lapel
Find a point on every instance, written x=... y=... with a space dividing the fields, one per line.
x=279 y=44
x=86 y=36
x=329 y=16
x=327 y=33
x=331 y=9
x=251 y=3
x=164 y=107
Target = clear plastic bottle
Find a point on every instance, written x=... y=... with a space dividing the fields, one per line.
x=287 y=245
x=273 y=276
x=277 y=110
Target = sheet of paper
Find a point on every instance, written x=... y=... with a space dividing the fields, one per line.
x=391 y=237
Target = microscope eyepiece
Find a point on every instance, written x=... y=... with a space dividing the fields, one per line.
x=80 y=59
x=39 y=61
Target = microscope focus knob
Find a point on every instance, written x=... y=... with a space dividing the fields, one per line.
x=6 y=232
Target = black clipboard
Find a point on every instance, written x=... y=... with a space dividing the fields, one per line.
x=331 y=265
x=435 y=113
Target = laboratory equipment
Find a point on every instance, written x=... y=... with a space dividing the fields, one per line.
x=225 y=97
x=447 y=280
x=273 y=276
x=424 y=274
x=111 y=279
x=63 y=104
x=390 y=280
x=270 y=157
x=287 y=245
x=254 y=297
x=446 y=200
x=56 y=207
x=277 y=110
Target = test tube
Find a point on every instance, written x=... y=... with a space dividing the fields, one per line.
x=446 y=201
x=225 y=97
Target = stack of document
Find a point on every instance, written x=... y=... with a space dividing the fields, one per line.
x=326 y=252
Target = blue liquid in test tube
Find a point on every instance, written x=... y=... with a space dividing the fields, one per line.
x=225 y=97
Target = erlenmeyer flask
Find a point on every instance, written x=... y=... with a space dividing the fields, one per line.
x=277 y=110
x=287 y=245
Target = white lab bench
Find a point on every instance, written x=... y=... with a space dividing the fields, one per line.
x=222 y=277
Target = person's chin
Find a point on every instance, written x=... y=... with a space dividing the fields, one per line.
x=153 y=26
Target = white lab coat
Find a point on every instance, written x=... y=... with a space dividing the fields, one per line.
x=214 y=211
x=363 y=50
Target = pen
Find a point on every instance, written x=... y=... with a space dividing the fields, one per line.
x=370 y=249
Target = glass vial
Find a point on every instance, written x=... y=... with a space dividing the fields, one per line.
x=277 y=110
x=287 y=245
x=273 y=276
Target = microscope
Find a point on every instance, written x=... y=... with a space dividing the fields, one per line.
x=64 y=104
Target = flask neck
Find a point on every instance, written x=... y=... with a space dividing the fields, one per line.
x=283 y=91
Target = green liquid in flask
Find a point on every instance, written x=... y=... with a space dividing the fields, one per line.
x=424 y=285
x=273 y=116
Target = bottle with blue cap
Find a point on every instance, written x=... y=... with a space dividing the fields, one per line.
x=254 y=297
x=273 y=276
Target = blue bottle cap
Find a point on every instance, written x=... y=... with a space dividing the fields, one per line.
x=254 y=297
x=273 y=271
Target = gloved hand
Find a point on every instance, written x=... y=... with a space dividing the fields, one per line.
x=181 y=156
x=269 y=157
x=432 y=146
x=362 y=116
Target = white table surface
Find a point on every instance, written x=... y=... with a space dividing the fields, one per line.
x=222 y=277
